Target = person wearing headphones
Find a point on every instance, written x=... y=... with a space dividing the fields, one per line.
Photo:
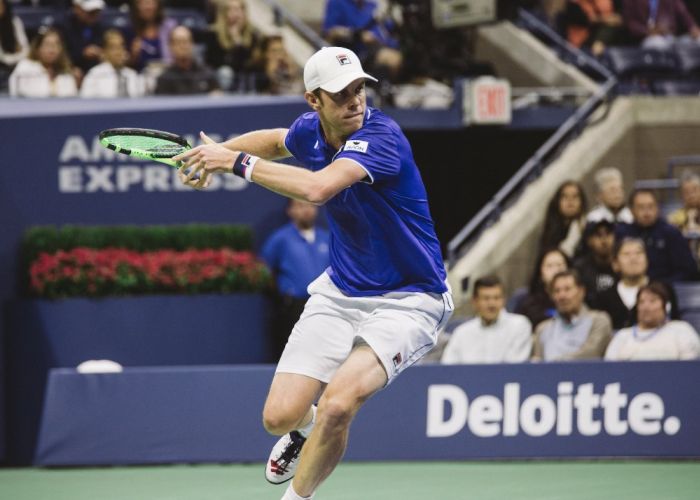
x=654 y=337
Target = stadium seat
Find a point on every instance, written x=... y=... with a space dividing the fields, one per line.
x=195 y=20
x=676 y=87
x=689 y=59
x=636 y=62
x=692 y=317
x=35 y=17
x=688 y=298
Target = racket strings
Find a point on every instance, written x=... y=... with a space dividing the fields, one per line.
x=157 y=148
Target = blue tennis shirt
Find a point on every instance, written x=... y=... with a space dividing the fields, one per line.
x=382 y=235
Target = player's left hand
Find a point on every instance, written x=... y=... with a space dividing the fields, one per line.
x=198 y=164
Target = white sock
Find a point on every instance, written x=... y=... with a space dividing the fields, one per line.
x=290 y=494
x=306 y=430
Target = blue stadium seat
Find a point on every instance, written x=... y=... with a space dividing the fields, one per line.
x=688 y=298
x=676 y=87
x=692 y=317
x=35 y=17
x=689 y=59
x=632 y=61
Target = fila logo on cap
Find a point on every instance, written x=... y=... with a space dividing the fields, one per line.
x=343 y=59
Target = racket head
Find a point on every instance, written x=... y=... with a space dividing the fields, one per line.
x=145 y=143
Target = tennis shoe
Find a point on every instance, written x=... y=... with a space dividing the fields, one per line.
x=284 y=458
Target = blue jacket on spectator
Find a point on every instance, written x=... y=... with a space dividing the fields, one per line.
x=668 y=252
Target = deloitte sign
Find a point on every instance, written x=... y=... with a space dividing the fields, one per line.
x=576 y=410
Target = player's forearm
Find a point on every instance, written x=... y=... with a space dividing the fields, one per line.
x=293 y=182
x=268 y=144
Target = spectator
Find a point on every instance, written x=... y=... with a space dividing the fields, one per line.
x=83 y=33
x=575 y=332
x=231 y=44
x=565 y=219
x=297 y=254
x=687 y=218
x=13 y=42
x=591 y=24
x=595 y=265
x=537 y=305
x=654 y=337
x=620 y=301
x=357 y=25
x=185 y=75
x=149 y=34
x=657 y=24
x=610 y=193
x=495 y=335
x=275 y=72
x=670 y=258
x=112 y=78
x=47 y=72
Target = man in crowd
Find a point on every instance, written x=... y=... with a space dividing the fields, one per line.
x=575 y=332
x=297 y=254
x=185 y=75
x=83 y=33
x=670 y=258
x=610 y=193
x=595 y=265
x=495 y=335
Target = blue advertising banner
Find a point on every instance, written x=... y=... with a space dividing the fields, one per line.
x=213 y=414
x=54 y=171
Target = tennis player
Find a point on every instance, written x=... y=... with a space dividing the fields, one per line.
x=379 y=306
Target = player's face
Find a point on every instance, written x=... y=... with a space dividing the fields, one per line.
x=488 y=303
x=567 y=296
x=344 y=111
x=650 y=310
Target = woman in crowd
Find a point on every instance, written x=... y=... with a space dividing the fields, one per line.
x=275 y=72
x=149 y=34
x=232 y=43
x=654 y=337
x=566 y=219
x=537 y=305
x=47 y=72
x=13 y=40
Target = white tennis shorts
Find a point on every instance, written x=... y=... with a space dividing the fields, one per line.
x=400 y=327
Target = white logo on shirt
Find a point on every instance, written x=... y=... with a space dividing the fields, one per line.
x=359 y=146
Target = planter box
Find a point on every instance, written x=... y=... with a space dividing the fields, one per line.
x=133 y=331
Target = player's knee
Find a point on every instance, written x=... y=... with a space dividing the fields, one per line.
x=277 y=422
x=336 y=411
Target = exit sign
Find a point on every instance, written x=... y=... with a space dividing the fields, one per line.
x=486 y=100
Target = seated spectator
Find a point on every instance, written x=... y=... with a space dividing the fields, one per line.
x=149 y=34
x=537 y=305
x=112 y=78
x=275 y=71
x=565 y=219
x=47 y=72
x=654 y=337
x=297 y=254
x=687 y=218
x=83 y=32
x=658 y=24
x=610 y=193
x=13 y=42
x=185 y=75
x=620 y=301
x=575 y=332
x=670 y=258
x=591 y=24
x=495 y=335
x=357 y=25
x=231 y=45
x=595 y=265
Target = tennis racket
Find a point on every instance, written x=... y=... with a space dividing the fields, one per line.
x=145 y=143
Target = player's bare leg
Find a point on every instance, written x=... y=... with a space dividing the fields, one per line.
x=360 y=376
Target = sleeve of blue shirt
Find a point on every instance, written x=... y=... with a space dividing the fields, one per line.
x=290 y=139
x=375 y=148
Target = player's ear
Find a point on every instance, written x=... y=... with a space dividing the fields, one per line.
x=312 y=100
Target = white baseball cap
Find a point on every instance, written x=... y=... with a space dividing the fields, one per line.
x=90 y=5
x=333 y=69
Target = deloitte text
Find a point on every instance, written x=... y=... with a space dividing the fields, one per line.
x=582 y=411
x=87 y=167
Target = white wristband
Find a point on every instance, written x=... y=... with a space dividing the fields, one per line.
x=251 y=166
